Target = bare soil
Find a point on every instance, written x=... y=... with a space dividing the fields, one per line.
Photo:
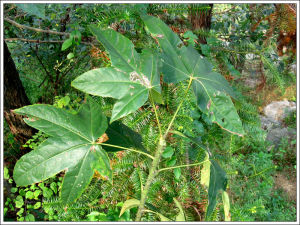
x=287 y=181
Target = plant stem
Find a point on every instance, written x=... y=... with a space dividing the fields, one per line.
x=156 y=114
x=186 y=165
x=152 y=174
x=129 y=149
x=160 y=147
x=178 y=108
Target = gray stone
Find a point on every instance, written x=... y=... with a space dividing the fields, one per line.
x=275 y=135
x=268 y=123
x=275 y=112
x=278 y=110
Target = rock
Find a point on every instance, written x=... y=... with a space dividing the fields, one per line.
x=275 y=112
x=278 y=110
x=268 y=123
x=275 y=135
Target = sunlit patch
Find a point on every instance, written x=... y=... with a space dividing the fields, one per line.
x=142 y=79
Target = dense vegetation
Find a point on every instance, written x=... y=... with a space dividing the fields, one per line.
x=140 y=112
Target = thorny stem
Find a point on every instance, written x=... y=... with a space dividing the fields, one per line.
x=153 y=171
x=152 y=174
x=129 y=149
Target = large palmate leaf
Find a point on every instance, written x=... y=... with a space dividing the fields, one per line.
x=71 y=147
x=121 y=50
x=181 y=63
x=108 y=82
x=131 y=79
x=169 y=42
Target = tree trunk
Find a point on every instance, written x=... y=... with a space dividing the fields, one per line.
x=200 y=18
x=14 y=97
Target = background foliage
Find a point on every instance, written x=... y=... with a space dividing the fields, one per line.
x=239 y=32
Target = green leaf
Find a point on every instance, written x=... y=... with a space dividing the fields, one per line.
x=36 y=194
x=150 y=68
x=109 y=82
x=76 y=36
x=177 y=173
x=67 y=44
x=121 y=135
x=6 y=173
x=106 y=82
x=221 y=110
x=70 y=147
x=128 y=204
x=173 y=67
x=5 y=211
x=53 y=187
x=13 y=190
x=121 y=50
x=198 y=126
x=19 y=201
x=132 y=79
x=33 y=9
x=180 y=216
x=29 y=217
x=37 y=205
x=129 y=103
x=181 y=63
x=70 y=55
x=97 y=216
x=168 y=152
x=20 y=212
x=29 y=195
x=171 y=162
x=217 y=181
x=22 y=192
x=226 y=204
x=47 y=192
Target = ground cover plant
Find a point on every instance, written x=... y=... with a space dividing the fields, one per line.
x=148 y=122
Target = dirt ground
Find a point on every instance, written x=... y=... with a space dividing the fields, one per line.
x=287 y=181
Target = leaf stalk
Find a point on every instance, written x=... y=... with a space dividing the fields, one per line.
x=129 y=149
x=185 y=165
